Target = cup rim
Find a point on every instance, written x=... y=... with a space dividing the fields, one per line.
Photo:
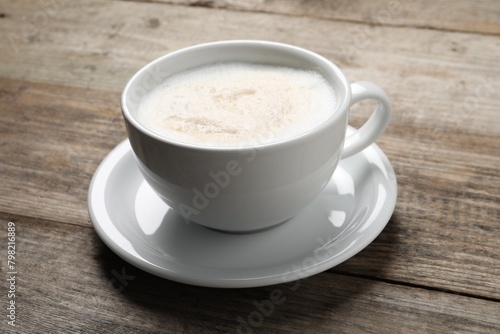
x=341 y=107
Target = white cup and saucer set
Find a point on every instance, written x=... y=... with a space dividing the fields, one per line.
x=245 y=216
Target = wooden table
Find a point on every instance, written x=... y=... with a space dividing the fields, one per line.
x=435 y=267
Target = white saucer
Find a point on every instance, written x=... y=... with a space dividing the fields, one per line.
x=131 y=219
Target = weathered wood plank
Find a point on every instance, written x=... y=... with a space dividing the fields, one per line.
x=37 y=122
x=90 y=45
x=450 y=200
x=427 y=73
x=67 y=281
x=442 y=140
x=60 y=77
x=477 y=17
x=52 y=139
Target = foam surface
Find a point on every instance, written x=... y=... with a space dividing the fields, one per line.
x=237 y=104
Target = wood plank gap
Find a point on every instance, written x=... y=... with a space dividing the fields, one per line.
x=20 y=217
x=413 y=285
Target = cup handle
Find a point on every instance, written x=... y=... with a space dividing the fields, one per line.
x=377 y=122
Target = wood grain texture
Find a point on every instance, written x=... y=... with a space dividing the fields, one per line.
x=91 y=45
x=478 y=17
x=67 y=282
x=435 y=268
x=441 y=141
x=52 y=140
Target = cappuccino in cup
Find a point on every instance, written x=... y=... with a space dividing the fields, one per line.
x=237 y=104
x=195 y=118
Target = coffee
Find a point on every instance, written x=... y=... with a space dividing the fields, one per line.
x=237 y=104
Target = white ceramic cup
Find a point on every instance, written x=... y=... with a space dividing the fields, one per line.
x=249 y=188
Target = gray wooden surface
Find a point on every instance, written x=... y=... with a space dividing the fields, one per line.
x=436 y=266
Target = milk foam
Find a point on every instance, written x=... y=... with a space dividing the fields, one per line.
x=237 y=104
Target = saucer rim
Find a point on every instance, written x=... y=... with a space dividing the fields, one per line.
x=120 y=151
